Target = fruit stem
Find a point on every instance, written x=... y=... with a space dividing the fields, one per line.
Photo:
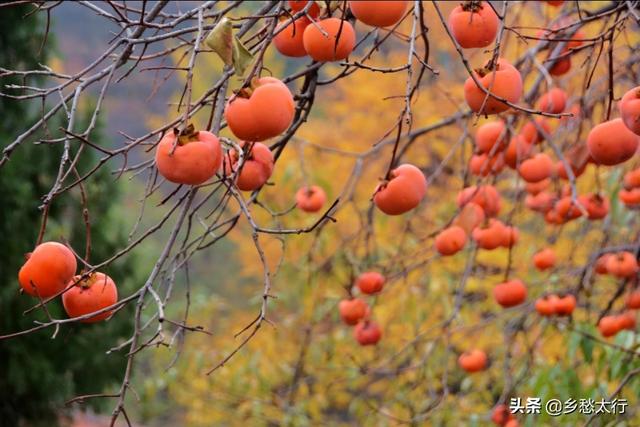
x=473 y=6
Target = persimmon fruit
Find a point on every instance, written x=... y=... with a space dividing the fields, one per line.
x=256 y=168
x=310 y=198
x=611 y=143
x=505 y=83
x=632 y=301
x=450 y=240
x=262 y=111
x=367 y=333
x=564 y=306
x=88 y=295
x=490 y=134
x=553 y=101
x=330 y=39
x=545 y=259
x=381 y=13
x=622 y=264
x=402 y=192
x=473 y=24
x=473 y=361
x=536 y=168
x=510 y=293
x=352 y=310
x=188 y=157
x=370 y=282
x=289 y=40
x=47 y=269
x=298 y=5
x=629 y=107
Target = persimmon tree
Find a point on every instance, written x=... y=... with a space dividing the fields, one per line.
x=433 y=204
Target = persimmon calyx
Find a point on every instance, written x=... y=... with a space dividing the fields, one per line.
x=186 y=135
x=473 y=6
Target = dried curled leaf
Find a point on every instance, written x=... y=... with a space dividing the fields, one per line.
x=228 y=47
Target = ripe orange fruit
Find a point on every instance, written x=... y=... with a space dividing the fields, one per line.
x=600 y=266
x=261 y=112
x=256 y=169
x=298 y=5
x=596 y=205
x=367 y=333
x=47 y=270
x=310 y=199
x=501 y=415
x=505 y=82
x=510 y=236
x=517 y=151
x=629 y=107
x=545 y=259
x=567 y=209
x=564 y=306
x=627 y=320
x=536 y=168
x=623 y=264
x=552 y=101
x=485 y=196
x=379 y=13
x=632 y=179
x=471 y=215
x=611 y=143
x=473 y=24
x=542 y=202
x=630 y=198
x=561 y=66
x=196 y=157
x=450 y=240
x=561 y=171
x=473 y=361
x=545 y=306
x=370 y=282
x=530 y=133
x=88 y=295
x=537 y=187
x=609 y=326
x=510 y=293
x=632 y=300
x=289 y=41
x=490 y=134
x=402 y=192
x=490 y=236
x=352 y=310
x=483 y=165
x=329 y=47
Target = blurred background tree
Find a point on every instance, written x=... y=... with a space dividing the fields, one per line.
x=39 y=373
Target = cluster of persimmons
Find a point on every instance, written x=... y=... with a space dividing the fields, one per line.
x=265 y=109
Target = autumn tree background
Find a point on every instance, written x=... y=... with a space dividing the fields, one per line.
x=228 y=309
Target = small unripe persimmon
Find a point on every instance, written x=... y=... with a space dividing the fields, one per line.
x=505 y=83
x=367 y=333
x=611 y=143
x=473 y=24
x=330 y=39
x=310 y=198
x=380 y=13
x=402 y=192
x=510 y=293
x=450 y=240
x=89 y=295
x=47 y=270
x=622 y=264
x=629 y=107
x=370 y=282
x=545 y=259
x=473 y=361
x=352 y=310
